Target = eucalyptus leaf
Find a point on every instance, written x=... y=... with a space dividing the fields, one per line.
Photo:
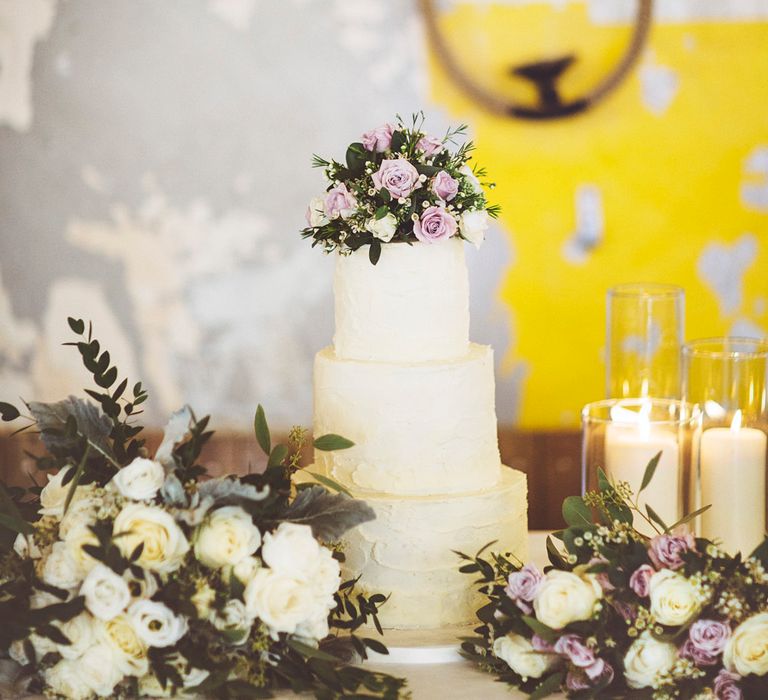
x=76 y=478
x=687 y=518
x=77 y=325
x=654 y=516
x=8 y=412
x=261 y=429
x=329 y=515
x=540 y=628
x=650 y=470
x=310 y=652
x=15 y=524
x=374 y=252
x=332 y=442
x=549 y=686
x=576 y=513
x=330 y=483
x=13 y=520
x=381 y=212
x=52 y=418
x=277 y=456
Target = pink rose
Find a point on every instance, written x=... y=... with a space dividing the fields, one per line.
x=640 y=580
x=444 y=186
x=666 y=550
x=706 y=641
x=339 y=201
x=429 y=145
x=435 y=225
x=378 y=139
x=573 y=647
x=522 y=586
x=540 y=644
x=397 y=176
x=726 y=686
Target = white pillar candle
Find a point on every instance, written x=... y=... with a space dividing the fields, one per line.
x=629 y=447
x=733 y=481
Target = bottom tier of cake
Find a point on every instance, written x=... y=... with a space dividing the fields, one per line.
x=408 y=551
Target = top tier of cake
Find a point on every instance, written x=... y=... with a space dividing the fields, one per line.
x=413 y=306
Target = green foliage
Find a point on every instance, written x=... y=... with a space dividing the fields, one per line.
x=261 y=429
x=331 y=442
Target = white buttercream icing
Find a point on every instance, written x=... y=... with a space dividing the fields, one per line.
x=412 y=306
x=425 y=428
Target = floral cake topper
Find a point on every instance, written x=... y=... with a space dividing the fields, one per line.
x=400 y=184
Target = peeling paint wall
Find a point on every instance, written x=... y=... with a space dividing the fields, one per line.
x=154 y=172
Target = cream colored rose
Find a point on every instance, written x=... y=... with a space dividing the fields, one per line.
x=234 y=621
x=518 y=653
x=747 y=650
x=130 y=653
x=76 y=538
x=315 y=628
x=65 y=680
x=60 y=568
x=383 y=229
x=106 y=594
x=467 y=172
x=164 y=543
x=227 y=536
x=98 y=669
x=81 y=513
x=473 y=225
x=564 y=597
x=156 y=624
x=292 y=550
x=673 y=598
x=327 y=575
x=280 y=601
x=140 y=480
x=646 y=660
x=245 y=569
x=144 y=587
x=81 y=634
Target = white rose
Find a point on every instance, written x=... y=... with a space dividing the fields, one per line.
x=227 y=536
x=140 y=480
x=65 y=680
x=473 y=225
x=673 y=598
x=327 y=575
x=75 y=539
x=18 y=653
x=315 y=628
x=518 y=653
x=42 y=645
x=26 y=548
x=80 y=632
x=144 y=587
x=164 y=543
x=54 y=494
x=747 y=650
x=466 y=171
x=60 y=569
x=564 y=597
x=383 y=229
x=316 y=212
x=80 y=514
x=292 y=550
x=646 y=660
x=106 y=594
x=129 y=652
x=233 y=621
x=245 y=569
x=156 y=624
x=281 y=602
x=99 y=671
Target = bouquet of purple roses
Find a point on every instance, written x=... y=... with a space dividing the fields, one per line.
x=398 y=184
x=620 y=614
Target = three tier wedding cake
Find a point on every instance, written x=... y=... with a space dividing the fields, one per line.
x=405 y=384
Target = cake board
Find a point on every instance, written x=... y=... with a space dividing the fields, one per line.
x=423 y=646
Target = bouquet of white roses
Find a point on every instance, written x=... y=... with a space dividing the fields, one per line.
x=130 y=575
x=399 y=183
x=622 y=615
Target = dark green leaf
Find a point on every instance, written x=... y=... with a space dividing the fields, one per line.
x=555 y=557
x=13 y=518
x=576 y=513
x=653 y=515
x=120 y=389
x=330 y=483
x=549 y=686
x=376 y=645
x=8 y=412
x=374 y=252
x=107 y=379
x=77 y=325
x=261 y=429
x=277 y=456
x=540 y=628
x=331 y=442
x=761 y=553
x=310 y=652
x=398 y=140
x=381 y=212
x=15 y=524
x=54 y=634
x=650 y=470
x=76 y=478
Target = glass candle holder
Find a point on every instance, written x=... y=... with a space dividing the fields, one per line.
x=644 y=333
x=621 y=436
x=726 y=379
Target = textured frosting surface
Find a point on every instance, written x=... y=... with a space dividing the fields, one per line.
x=412 y=306
x=407 y=550
x=426 y=428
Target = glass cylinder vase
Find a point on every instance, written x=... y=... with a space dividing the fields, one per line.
x=726 y=379
x=644 y=333
x=621 y=436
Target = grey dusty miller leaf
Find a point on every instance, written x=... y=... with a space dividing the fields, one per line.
x=227 y=491
x=177 y=431
x=329 y=515
x=91 y=422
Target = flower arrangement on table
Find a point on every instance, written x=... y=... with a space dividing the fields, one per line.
x=399 y=183
x=127 y=575
x=622 y=615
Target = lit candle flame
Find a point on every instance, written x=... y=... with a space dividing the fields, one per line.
x=736 y=422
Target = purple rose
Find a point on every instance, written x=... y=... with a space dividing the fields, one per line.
x=666 y=550
x=599 y=673
x=640 y=580
x=524 y=584
x=444 y=186
x=435 y=225
x=339 y=201
x=573 y=647
x=397 y=176
x=726 y=686
x=378 y=139
x=700 y=657
x=707 y=640
x=429 y=145
x=542 y=645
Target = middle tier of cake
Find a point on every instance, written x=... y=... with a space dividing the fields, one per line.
x=423 y=428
